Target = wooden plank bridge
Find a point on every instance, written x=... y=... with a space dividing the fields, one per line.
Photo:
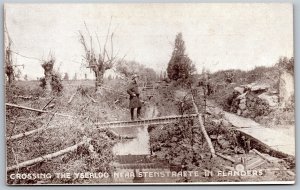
x=269 y=137
x=152 y=121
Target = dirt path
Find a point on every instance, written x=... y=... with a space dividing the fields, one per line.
x=273 y=138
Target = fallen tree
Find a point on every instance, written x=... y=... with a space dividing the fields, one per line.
x=26 y=97
x=48 y=156
x=203 y=130
x=37 y=110
x=14 y=137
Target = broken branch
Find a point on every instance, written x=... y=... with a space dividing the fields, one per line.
x=37 y=110
x=93 y=100
x=71 y=98
x=20 y=135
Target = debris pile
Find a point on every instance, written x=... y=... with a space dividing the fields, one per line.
x=253 y=100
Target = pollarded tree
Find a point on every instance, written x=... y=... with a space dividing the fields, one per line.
x=48 y=71
x=101 y=60
x=52 y=81
x=180 y=65
x=9 y=70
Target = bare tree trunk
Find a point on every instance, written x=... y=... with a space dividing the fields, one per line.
x=9 y=70
x=48 y=68
x=99 y=81
x=11 y=78
x=48 y=79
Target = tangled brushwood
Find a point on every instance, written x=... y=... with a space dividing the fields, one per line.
x=80 y=146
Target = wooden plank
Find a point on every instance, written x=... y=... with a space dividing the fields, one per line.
x=159 y=120
x=261 y=155
x=225 y=157
x=255 y=164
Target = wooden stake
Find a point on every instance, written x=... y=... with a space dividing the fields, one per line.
x=48 y=103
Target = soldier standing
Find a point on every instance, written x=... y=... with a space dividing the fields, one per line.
x=134 y=100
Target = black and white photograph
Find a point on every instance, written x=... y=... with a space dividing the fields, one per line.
x=149 y=93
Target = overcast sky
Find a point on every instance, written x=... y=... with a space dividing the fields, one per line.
x=217 y=36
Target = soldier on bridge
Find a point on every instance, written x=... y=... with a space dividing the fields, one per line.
x=134 y=99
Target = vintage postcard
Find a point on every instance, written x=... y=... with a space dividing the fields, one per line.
x=113 y=94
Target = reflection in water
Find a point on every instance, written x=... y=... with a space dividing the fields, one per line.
x=137 y=146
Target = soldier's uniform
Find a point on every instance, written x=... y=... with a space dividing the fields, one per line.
x=134 y=100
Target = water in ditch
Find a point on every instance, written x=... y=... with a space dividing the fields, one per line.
x=137 y=146
x=140 y=145
x=133 y=150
